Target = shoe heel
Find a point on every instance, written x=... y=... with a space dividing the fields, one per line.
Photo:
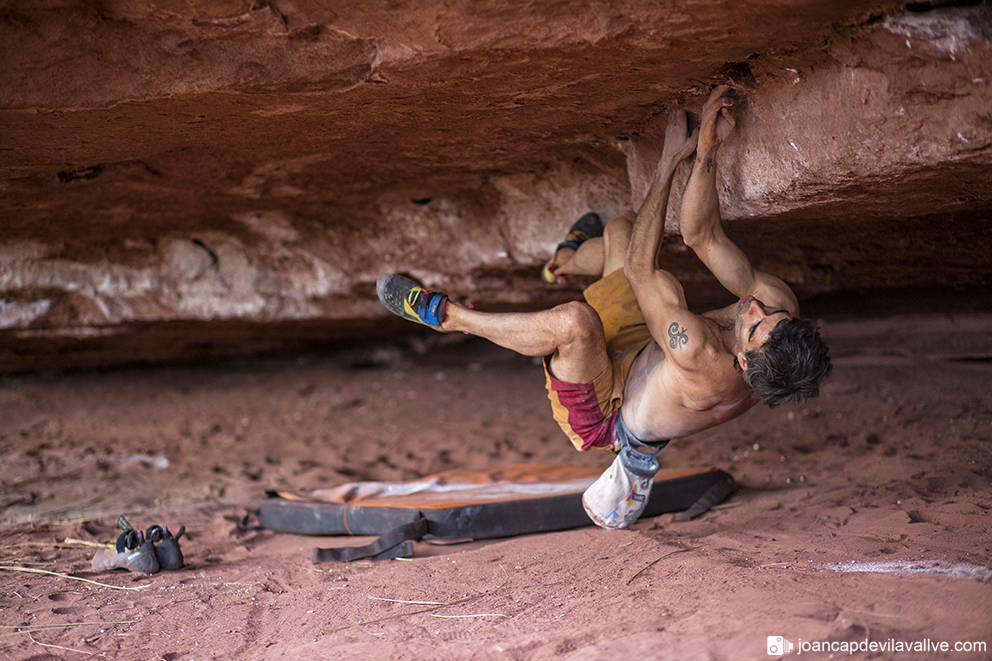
x=143 y=559
x=548 y=275
x=169 y=555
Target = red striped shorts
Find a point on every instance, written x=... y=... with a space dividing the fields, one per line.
x=587 y=412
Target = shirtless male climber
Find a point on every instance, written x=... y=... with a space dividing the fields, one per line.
x=632 y=367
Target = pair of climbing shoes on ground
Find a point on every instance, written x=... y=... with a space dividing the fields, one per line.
x=147 y=552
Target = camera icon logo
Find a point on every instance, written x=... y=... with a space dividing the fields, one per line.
x=778 y=645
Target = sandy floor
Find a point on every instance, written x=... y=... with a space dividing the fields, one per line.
x=891 y=464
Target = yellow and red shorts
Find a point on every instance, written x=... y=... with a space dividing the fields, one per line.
x=587 y=412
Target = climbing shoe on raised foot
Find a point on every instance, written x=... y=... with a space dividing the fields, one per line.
x=404 y=297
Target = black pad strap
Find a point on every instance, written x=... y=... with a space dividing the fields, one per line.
x=714 y=495
x=394 y=544
x=245 y=523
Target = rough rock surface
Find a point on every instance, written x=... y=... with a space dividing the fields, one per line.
x=227 y=176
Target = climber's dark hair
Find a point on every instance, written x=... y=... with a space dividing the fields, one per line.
x=790 y=365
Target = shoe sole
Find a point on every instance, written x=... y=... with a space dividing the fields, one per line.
x=590 y=224
x=392 y=291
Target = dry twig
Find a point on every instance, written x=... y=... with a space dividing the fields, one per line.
x=59 y=647
x=30 y=628
x=403 y=601
x=36 y=627
x=74 y=578
x=652 y=563
x=851 y=610
x=72 y=541
x=424 y=610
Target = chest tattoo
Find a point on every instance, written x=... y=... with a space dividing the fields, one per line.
x=676 y=336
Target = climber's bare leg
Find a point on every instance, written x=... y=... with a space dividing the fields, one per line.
x=587 y=260
x=616 y=237
x=601 y=255
x=572 y=334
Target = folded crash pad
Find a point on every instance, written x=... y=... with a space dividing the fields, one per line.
x=463 y=505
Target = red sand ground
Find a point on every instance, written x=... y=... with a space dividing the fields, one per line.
x=892 y=462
